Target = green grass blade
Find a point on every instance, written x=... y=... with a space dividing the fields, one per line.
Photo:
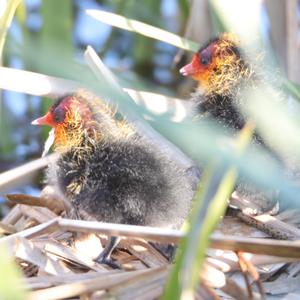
x=60 y=31
x=5 y=21
x=210 y=204
x=6 y=16
x=142 y=28
x=291 y=88
x=10 y=287
x=113 y=89
x=190 y=258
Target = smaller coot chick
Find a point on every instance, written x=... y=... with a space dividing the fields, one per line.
x=224 y=74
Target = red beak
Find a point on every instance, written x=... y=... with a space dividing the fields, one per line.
x=190 y=69
x=45 y=120
x=187 y=70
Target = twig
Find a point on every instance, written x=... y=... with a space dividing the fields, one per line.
x=252 y=270
x=145 y=232
x=7 y=228
x=22 y=174
x=244 y=270
x=271 y=225
x=52 y=204
x=24 y=249
x=233 y=243
x=33 y=231
x=88 y=285
x=234 y=290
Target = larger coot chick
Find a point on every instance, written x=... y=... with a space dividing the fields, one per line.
x=109 y=172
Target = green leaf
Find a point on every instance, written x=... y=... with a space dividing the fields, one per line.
x=55 y=41
x=7 y=145
x=5 y=22
x=21 y=13
x=58 y=30
x=10 y=287
x=209 y=205
x=292 y=88
x=217 y=21
x=142 y=28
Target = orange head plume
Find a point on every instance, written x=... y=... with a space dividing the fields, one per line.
x=218 y=65
x=70 y=117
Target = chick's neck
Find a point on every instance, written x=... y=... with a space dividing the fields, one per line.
x=224 y=91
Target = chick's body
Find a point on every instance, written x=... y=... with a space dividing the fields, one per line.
x=225 y=78
x=122 y=182
x=110 y=173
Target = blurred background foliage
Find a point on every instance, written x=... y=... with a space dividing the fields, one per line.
x=46 y=33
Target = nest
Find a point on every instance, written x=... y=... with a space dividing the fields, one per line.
x=56 y=256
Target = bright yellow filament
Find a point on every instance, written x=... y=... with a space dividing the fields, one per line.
x=87 y=121
x=226 y=69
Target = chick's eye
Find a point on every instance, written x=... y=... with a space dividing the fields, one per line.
x=204 y=59
x=59 y=115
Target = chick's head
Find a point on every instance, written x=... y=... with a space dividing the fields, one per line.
x=72 y=120
x=218 y=66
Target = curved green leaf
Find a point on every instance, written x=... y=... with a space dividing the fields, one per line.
x=142 y=28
